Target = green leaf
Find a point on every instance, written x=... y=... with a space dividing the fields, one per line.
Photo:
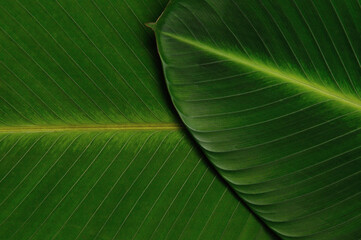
x=86 y=62
x=270 y=90
x=114 y=184
x=90 y=147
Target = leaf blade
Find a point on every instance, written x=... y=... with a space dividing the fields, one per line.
x=78 y=80
x=235 y=71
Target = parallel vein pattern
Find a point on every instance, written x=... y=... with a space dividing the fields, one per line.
x=89 y=145
x=271 y=92
x=76 y=62
x=114 y=185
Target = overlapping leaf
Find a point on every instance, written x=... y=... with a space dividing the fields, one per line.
x=89 y=146
x=271 y=92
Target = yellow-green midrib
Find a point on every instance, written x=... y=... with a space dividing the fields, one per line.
x=270 y=71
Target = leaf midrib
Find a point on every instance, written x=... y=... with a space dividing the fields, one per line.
x=290 y=78
x=85 y=128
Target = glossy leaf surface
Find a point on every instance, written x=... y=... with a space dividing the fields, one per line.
x=270 y=89
x=89 y=145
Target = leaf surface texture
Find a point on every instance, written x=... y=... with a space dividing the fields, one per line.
x=90 y=147
x=271 y=92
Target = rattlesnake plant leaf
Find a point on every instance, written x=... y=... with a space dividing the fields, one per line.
x=270 y=89
x=89 y=145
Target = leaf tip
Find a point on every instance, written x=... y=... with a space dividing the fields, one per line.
x=151 y=25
